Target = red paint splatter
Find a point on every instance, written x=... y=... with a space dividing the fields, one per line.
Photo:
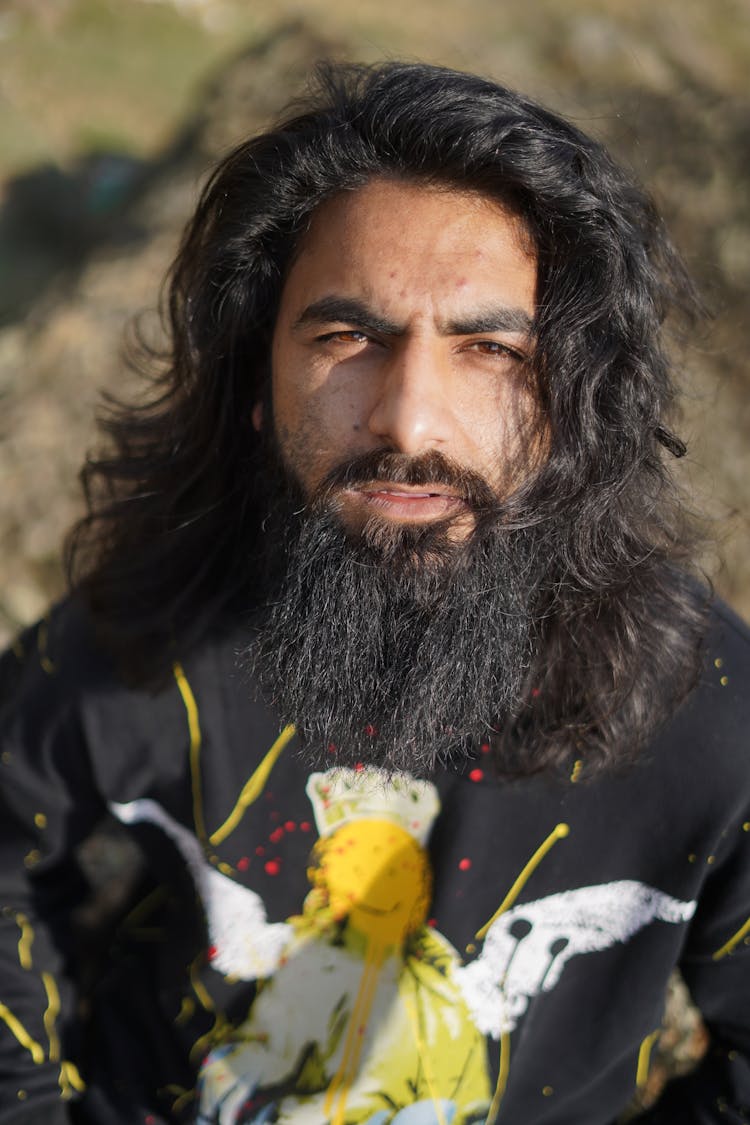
x=211 y=952
x=464 y=864
x=243 y=863
x=371 y=730
x=535 y=692
x=476 y=775
x=276 y=835
x=289 y=826
x=359 y=766
x=305 y=826
x=432 y=922
x=485 y=747
x=260 y=850
x=149 y=1119
x=332 y=747
x=272 y=867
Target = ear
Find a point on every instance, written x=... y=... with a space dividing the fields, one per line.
x=256 y=417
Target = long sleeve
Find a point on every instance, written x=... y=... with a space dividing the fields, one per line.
x=716 y=968
x=47 y=805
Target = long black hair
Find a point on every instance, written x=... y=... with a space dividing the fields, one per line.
x=174 y=508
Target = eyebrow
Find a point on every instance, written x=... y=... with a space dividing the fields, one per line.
x=491 y=318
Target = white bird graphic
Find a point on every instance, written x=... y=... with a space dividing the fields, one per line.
x=527 y=948
x=246 y=944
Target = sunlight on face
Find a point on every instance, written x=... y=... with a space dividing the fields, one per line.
x=406 y=324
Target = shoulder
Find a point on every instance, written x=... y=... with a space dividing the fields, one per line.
x=720 y=697
x=54 y=659
x=726 y=628
x=705 y=747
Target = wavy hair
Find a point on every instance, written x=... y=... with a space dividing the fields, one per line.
x=173 y=503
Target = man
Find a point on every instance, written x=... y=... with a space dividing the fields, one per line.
x=383 y=643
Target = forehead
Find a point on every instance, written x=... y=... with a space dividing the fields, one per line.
x=414 y=248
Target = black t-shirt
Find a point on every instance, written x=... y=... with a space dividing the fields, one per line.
x=344 y=947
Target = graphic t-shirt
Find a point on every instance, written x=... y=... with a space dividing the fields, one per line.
x=341 y=945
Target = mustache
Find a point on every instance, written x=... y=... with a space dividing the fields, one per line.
x=429 y=468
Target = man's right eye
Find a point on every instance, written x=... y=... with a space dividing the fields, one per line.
x=345 y=335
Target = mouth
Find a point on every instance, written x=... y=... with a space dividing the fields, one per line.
x=407 y=503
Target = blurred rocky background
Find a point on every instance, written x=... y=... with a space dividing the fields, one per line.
x=111 y=112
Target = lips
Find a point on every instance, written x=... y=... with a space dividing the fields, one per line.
x=408 y=502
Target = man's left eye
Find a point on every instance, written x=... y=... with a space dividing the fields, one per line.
x=495 y=348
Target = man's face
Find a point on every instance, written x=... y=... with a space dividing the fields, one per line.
x=405 y=326
x=398 y=622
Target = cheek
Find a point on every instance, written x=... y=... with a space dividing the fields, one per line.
x=496 y=421
x=320 y=414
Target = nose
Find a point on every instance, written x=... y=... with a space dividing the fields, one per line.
x=412 y=412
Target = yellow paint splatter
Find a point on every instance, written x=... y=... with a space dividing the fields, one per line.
x=746 y=826
x=40 y=820
x=548 y=1091
x=724 y=681
x=199 y=988
x=718 y=662
x=187 y=1009
x=502 y=1078
x=577 y=767
x=711 y=859
x=183 y=1096
x=471 y=948
x=22 y=1095
x=644 y=1059
x=51 y=1014
x=253 y=787
x=733 y=941
x=226 y=869
x=692 y=857
x=194 y=732
x=25 y=941
x=70 y=1080
x=17 y=1029
x=32 y=858
x=559 y=832
x=216 y=1035
x=354 y=1041
x=6 y=757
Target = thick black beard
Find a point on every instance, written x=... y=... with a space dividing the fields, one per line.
x=398 y=647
